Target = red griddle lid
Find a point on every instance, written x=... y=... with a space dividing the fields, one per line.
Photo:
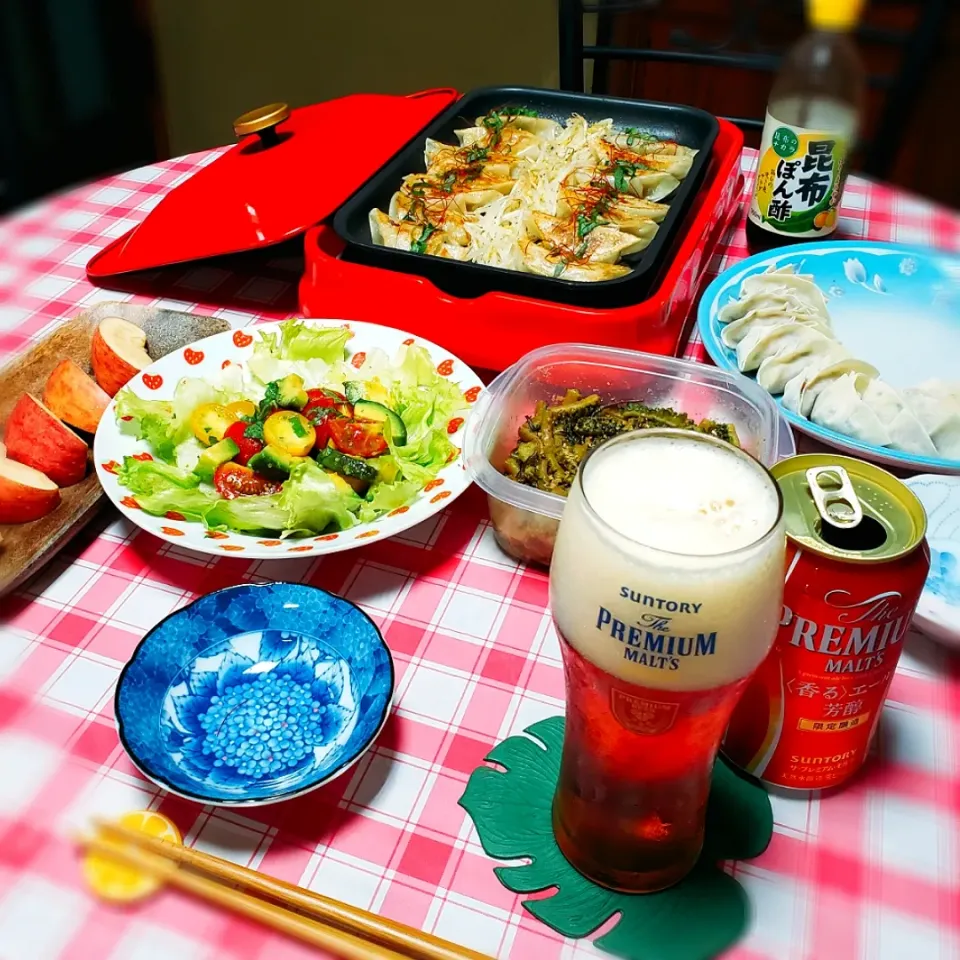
x=285 y=175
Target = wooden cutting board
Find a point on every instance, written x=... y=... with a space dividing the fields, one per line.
x=25 y=547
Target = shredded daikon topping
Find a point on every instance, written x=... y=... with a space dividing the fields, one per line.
x=498 y=229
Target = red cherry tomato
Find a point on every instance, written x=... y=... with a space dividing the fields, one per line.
x=321 y=420
x=248 y=445
x=232 y=481
x=320 y=400
x=358 y=439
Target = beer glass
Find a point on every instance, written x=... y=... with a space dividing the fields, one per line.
x=666 y=584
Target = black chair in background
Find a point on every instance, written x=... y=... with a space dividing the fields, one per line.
x=77 y=93
x=918 y=51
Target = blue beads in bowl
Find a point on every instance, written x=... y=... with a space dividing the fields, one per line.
x=254 y=694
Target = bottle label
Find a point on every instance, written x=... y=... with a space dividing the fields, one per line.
x=800 y=178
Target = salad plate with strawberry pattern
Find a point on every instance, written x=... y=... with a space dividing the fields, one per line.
x=288 y=439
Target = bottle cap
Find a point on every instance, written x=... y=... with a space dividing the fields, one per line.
x=834 y=14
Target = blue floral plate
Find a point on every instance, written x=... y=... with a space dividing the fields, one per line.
x=938 y=613
x=254 y=694
x=894 y=306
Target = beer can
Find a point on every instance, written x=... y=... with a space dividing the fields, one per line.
x=856 y=565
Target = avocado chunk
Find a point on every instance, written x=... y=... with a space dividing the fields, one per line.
x=346 y=466
x=290 y=392
x=211 y=458
x=274 y=462
x=348 y=484
x=369 y=410
x=388 y=470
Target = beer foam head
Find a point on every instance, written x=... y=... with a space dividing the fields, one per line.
x=684 y=497
x=668 y=566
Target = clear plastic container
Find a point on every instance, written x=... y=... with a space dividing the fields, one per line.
x=525 y=519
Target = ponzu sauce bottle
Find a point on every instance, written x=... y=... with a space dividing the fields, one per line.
x=811 y=125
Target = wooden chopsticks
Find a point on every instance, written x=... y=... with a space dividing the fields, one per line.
x=344 y=930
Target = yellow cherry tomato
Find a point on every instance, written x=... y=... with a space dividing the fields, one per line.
x=290 y=431
x=210 y=421
x=242 y=408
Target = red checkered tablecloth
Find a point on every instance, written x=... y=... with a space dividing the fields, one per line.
x=870 y=872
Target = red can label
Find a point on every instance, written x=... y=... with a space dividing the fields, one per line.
x=809 y=712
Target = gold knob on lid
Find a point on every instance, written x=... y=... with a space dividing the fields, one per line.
x=262 y=120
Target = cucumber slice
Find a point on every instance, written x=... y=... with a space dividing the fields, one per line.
x=347 y=466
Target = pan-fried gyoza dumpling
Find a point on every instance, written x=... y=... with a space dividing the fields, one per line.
x=643 y=230
x=512 y=145
x=840 y=407
x=453 y=251
x=590 y=186
x=469 y=192
x=469 y=136
x=447 y=211
x=650 y=184
x=402 y=235
x=540 y=126
x=641 y=141
x=676 y=164
x=624 y=211
x=436 y=152
x=628 y=210
x=441 y=159
x=800 y=394
x=600 y=245
x=537 y=258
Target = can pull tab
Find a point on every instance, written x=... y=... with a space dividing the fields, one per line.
x=833 y=493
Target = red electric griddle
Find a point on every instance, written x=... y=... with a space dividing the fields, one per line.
x=290 y=172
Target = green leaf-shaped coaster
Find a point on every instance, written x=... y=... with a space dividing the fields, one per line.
x=696 y=919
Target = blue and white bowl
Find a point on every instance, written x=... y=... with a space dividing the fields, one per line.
x=938 y=613
x=254 y=694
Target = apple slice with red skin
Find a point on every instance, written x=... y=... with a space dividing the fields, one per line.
x=25 y=494
x=117 y=353
x=35 y=437
x=74 y=397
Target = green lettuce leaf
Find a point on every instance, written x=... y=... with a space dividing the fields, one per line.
x=426 y=403
x=386 y=497
x=192 y=504
x=152 y=476
x=423 y=458
x=313 y=353
x=298 y=341
x=248 y=514
x=150 y=420
x=314 y=502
